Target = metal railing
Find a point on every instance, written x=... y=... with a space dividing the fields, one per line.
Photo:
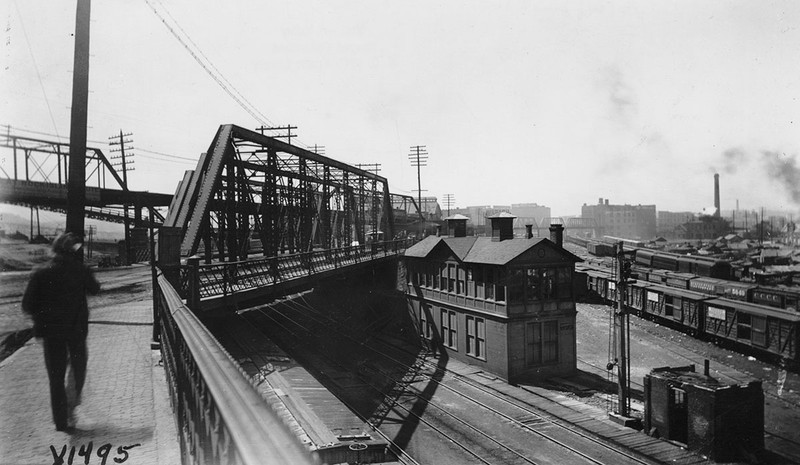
x=208 y=280
x=221 y=417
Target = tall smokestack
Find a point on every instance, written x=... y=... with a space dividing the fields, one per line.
x=716 y=194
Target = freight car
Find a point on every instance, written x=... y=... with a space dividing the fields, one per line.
x=777 y=296
x=748 y=327
x=600 y=249
x=701 y=266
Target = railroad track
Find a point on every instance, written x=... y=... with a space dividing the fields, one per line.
x=248 y=353
x=524 y=417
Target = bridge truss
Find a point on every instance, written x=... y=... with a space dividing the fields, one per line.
x=34 y=172
x=251 y=193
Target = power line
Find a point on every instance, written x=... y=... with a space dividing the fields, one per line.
x=200 y=51
x=207 y=69
x=36 y=67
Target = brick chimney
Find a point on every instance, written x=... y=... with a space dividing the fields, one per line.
x=457 y=225
x=502 y=226
x=528 y=231
x=557 y=234
x=716 y=195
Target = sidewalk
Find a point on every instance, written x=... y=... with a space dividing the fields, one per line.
x=126 y=415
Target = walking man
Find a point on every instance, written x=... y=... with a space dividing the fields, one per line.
x=56 y=298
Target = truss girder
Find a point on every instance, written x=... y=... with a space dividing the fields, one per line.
x=253 y=186
x=32 y=159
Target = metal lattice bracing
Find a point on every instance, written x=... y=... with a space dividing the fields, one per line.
x=252 y=192
x=581 y=224
x=34 y=172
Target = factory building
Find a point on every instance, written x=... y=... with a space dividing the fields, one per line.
x=479 y=213
x=501 y=303
x=628 y=221
x=669 y=222
x=530 y=213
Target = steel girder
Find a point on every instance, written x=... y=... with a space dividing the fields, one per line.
x=251 y=192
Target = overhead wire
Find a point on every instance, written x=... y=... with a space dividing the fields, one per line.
x=209 y=71
x=210 y=63
x=36 y=67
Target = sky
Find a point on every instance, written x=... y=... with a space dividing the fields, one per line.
x=557 y=103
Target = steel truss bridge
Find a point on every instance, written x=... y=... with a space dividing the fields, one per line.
x=253 y=193
x=33 y=173
x=265 y=218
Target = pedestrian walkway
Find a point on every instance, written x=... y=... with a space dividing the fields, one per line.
x=125 y=416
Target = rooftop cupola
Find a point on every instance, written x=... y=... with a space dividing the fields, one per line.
x=502 y=226
x=457 y=225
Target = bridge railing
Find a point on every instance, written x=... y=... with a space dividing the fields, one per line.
x=208 y=280
x=221 y=417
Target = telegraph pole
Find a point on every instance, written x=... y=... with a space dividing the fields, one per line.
x=76 y=187
x=449 y=200
x=418 y=158
x=288 y=128
x=124 y=163
x=371 y=167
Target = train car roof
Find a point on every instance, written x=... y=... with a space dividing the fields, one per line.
x=757 y=309
x=680 y=292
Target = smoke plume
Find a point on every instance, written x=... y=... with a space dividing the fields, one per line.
x=732 y=159
x=783 y=169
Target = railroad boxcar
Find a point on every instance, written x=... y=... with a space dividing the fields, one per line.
x=657 y=276
x=636 y=296
x=704 y=285
x=778 y=297
x=679 y=280
x=765 y=329
x=676 y=307
x=600 y=249
x=735 y=290
x=644 y=257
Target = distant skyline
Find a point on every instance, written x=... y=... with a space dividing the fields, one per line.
x=519 y=102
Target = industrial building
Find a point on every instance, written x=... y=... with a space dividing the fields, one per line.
x=530 y=213
x=504 y=304
x=629 y=221
x=668 y=222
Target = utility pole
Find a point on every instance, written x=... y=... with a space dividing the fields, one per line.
x=318 y=149
x=76 y=187
x=125 y=152
x=418 y=158
x=371 y=167
x=449 y=200
x=288 y=128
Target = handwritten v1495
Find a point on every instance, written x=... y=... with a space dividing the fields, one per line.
x=85 y=452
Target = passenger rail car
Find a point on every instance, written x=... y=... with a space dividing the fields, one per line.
x=745 y=326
